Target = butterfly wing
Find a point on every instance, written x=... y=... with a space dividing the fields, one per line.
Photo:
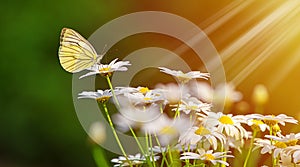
x=75 y=52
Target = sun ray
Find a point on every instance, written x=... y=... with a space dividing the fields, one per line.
x=269 y=20
x=288 y=65
x=212 y=23
x=228 y=52
x=225 y=14
x=272 y=23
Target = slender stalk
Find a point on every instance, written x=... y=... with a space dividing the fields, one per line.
x=250 y=148
x=161 y=108
x=115 y=133
x=152 y=155
x=177 y=113
x=99 y=157
x=224 y=158
x=170 y=154
x=112 y=90
x=118 y=105
x=162 y=152
x=136 y=139
x=147 y=146
x=271 y=141
x=187 y=161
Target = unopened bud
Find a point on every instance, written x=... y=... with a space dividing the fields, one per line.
x=260 y=95
x=97 y=132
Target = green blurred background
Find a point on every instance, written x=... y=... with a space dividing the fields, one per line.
x=38 y=124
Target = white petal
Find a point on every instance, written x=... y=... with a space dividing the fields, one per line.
x=88 y=74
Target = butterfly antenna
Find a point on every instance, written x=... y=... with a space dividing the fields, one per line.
x=103 y=50
x=100 y=56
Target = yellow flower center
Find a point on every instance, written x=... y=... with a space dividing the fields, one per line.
x=105 y=71
x=280 y=145
x=255 y=125
x=183 y=78
x=271 y=122
x=168 y=130
x=257 y=122
x=291 y=142
x=147 y=98
x=209 y=157
x=143 y=90
x=202 y=131
x=193 y=108
x=276 y=128
x=102 y=99
x=226 y=120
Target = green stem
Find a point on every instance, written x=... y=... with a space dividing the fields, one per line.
x=162 y=152
x=99 y=157
x=250 y=148
x=151 y=146
x=224 y=158
x=161 y=109
x=147 y=151
x=187 y=161
x=137 y=140
x=115 y=133
x=177 y=112
x=271 y=141
x=170 y=154
x=112 y=90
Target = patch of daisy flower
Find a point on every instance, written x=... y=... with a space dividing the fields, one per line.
x=181 y=127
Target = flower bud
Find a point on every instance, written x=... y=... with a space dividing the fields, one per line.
x=260 y=95
x=97 y=132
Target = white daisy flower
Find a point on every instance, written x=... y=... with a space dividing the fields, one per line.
x=173 y=93
x=231 y=142
x=177 y=147
x=99 y=95
x=273 y=121
x=134 y=159
x=168 y=130
x=290 y=139
x=210 y=156
x=107 y=69
x=286 y=161
x=202 y=91
x=140 y=89
x=275 y=147
x=225 y=123
x=256 y=124
x=193 y=104
x=293 y=151
x=158 y=149
x=266 y=145
x=226 y=95
x=202 y=134
x=148 y=98
x=184 y=77
x=135 y=117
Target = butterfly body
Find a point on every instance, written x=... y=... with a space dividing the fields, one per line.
x=75 y=52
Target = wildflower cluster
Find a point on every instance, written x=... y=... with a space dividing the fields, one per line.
x=181 y=128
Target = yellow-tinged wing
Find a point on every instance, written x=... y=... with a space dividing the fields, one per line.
x=75 y=52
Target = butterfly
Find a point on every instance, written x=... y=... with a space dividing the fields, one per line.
x=75 y=52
